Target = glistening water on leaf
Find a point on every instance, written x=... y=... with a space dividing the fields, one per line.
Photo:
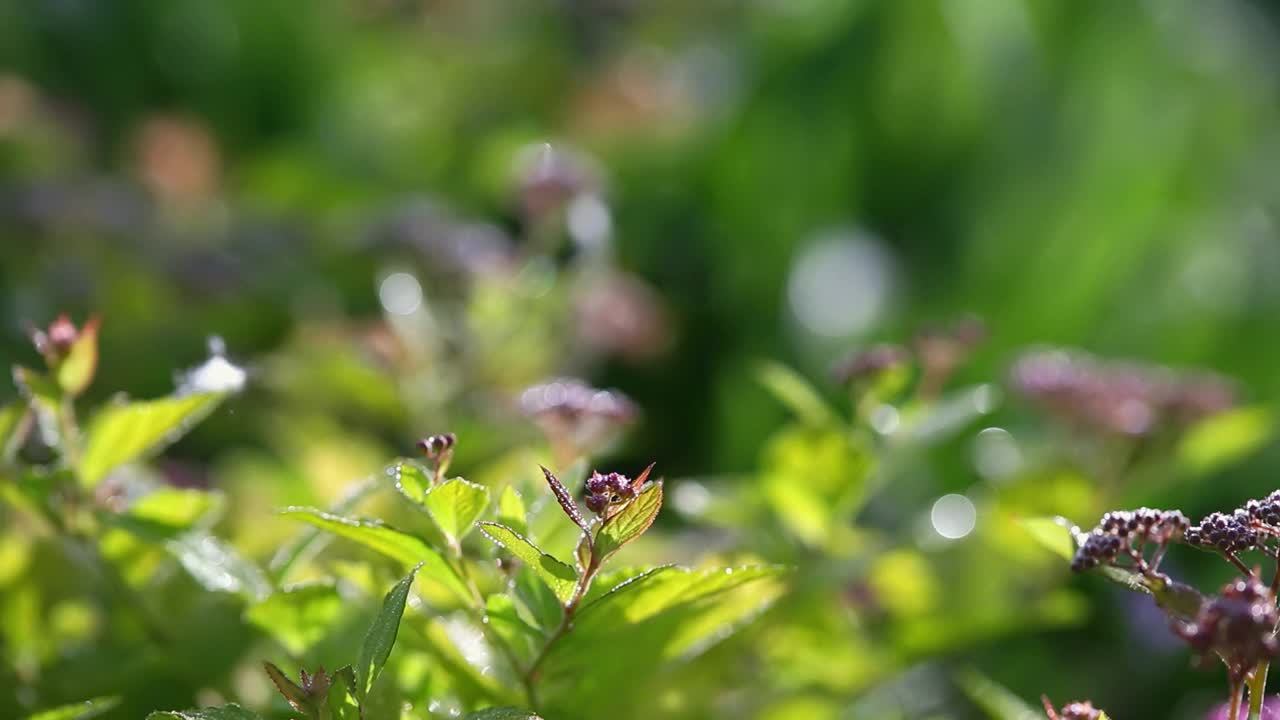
x=393 y=543
x=557 y=575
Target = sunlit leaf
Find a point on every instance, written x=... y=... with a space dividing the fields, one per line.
x=1054 y=533
x=78 y=711
x=11 y=417
x=217 y=566
x=502 y=617
x=410 y=481
x=298 y=617
x=558 y=576
x=121 y=434
x=393 y=543
x=382 y=635
x=503 y=713
x=456 y=505
x=511 y=510
x=668 y=614
x=344 y=698
x=1224 y=438
x=630 y=522
x=994 y=699
x=225 y=712
x=167 y=512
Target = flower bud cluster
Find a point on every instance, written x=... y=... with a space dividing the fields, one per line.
x=1238 y=625
x=1126 y=532
x=606 y=490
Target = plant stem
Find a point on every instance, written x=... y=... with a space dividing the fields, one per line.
x=1237 y=697
x=566 y=620
x=1258 y=690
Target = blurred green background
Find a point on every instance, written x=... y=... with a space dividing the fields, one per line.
x=780 y=179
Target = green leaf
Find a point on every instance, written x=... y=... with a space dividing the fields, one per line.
x=558 y=576
x=344 y=702
x=666 y=615
x=225 y=712
x=996 y=700
x=121 y=434
x=502 y=713
x=389 y=541
x=382 y=635
x=1225 y=438
x=410 y=481
x=217 y=566
x=1054 y=533
x=76 y=370
x=78 y=711
x=511 y=510
x=298 y=617
x=167 y=512
x=796 y=393
x=11 y=417
x=456 y=505
x=502 y=617
x=629 y=523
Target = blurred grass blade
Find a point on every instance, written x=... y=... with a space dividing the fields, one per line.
x=403 y=547
x=994 y=699
x=556 y=574
x=382 y=634
x=120 y=434
x=795 y=393
x=78 y=711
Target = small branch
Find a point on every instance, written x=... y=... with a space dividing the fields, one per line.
x=1237 y=697
x=1258 y=690
x=1236 y=561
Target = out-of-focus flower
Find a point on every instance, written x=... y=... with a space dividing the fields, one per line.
x=178 y=160
x=1270 y=710
x=871 y=362
x=1079 y=710
x=617 y=313
x=1120 y=398
x=577 y=418
x=940 y=350
x=548 y=177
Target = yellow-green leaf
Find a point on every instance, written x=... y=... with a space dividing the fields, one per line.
x=511 y=510
x=1224 y=438
x=1054 y=533
x=629 y=523
x=121 y=434
x=388 y=541
x=558 y=576
x=78 y=711
x=502 y=713
x=298 y=617
x=456 y=505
